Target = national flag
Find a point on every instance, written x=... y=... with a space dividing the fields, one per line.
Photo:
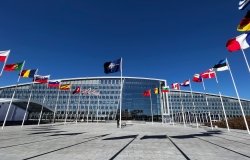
x=176 y=86
x=41 y=79
x=186 y=83
x=77 y=90
x=112 y=66
x=243 y=4
x=156 y=90
x=13 y=67
x=65 y=86
x=147 y=93
x=28 y=73
x=240 y=42
x=54 y=84
x=165 y=89
x=208 y=74
x=244 y=23
x=197 y=78
x=4 y=55
x=221 y=66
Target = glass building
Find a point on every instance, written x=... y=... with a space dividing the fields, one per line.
x=99 y=99
x=203 y=103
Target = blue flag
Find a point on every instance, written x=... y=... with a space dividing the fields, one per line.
x=112 y=66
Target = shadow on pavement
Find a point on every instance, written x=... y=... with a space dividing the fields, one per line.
x=154 y=137
x=67 y=134
x=203 y=134
x=121 y=137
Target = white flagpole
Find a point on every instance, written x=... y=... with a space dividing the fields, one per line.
x=88 y=108
x=151 y=108
x=67 y=106
x=171 y=106
x=5 y=63
x=44 y=97
x=121 y=95
x=222 y=104
x=78 y=105
x=13 y=95
x=245 y=59
x=243 y=114
x=31 y=90
x=207 y=104
x=182 y=109
x=190 y=87
x=55 y=110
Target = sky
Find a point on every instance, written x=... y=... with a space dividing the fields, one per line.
x=162 y=39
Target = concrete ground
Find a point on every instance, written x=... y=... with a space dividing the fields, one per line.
x=103 y=141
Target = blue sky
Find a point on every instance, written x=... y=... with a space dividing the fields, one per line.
x=170 y=40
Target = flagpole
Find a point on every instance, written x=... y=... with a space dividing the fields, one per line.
x=67 y=107
x=171 y=106
x=13 y=95
x=190 y=87
x=88 y=108
x=182 y=108
x=4 y=63
x=245 y=59
x=31 y=90
x=207 y=104
x=161 y=102
x=78 y=105
x=243 y=114
x=55 y=110
x=222 y=104
x=152 y=116
x=44 y=97
x=121 y=95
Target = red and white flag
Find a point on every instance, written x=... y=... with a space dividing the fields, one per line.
x=4 y=55
x=208 y=74
x=176 y=86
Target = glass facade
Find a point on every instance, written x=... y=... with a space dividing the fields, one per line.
x=99 y=99
x=202 y=103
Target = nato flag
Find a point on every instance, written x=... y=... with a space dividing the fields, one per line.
x=112 y=66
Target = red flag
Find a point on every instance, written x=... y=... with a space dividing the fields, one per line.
x=197 y=78
x=176 y=86
x=4 y=55
x=147 y=93
x=208 y=74
x=77 y=90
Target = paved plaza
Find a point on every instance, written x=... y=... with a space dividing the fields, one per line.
x=104 y=141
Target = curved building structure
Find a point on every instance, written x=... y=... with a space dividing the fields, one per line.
x=99 y=99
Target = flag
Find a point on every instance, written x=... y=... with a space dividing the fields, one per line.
x=4 y=55
x=186 y=83
x=244 y=23
x=54 y=84
x=176 y=86
x=41 y=79
x=13 y=67
x=29 y=73
x=221 y=66
x=208 y=74
x=65 y=86
x=240 y=42
x=147 y=93
x=197 y=78
x=112 y=66
x=243 y=4
x=77 y=90
x=165 y=89
x=156 y=90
